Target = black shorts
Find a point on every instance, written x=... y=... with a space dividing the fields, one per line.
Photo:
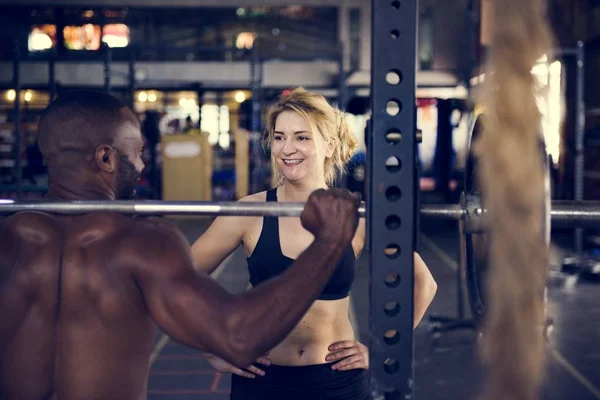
x=311 y=382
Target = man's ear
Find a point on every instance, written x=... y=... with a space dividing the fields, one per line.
x=106 y=158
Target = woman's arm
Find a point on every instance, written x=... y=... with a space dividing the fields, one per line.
x=223 y=236
x=425 y=288
x=358 y=242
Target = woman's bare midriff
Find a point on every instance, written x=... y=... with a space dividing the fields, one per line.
x=325 y=323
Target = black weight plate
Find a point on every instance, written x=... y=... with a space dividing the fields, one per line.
x=476 y=244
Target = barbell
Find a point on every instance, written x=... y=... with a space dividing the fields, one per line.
x=470 y=210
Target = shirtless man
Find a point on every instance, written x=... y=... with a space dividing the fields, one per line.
x=81 y=297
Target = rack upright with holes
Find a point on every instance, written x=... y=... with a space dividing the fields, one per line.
x=391 y=198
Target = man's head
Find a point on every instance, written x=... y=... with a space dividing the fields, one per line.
x=95 y=134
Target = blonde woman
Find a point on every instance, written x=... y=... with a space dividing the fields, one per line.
x=310 y=144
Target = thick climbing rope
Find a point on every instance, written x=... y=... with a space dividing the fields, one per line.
x=512 y=184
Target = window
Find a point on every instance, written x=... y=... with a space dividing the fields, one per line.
x=42 y=37
x=549 y=100
x=245 y=40
x=86 y=37
x=215 y=121
x=224 y=137
x=210 y=122
x=115 y=35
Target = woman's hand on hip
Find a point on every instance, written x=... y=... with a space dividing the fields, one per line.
x=353 y=355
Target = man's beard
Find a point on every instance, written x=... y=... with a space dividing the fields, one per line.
x=127 y=177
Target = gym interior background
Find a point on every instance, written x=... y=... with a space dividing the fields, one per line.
x=200 y=74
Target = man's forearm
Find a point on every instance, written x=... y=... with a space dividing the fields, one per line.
x=265 y=315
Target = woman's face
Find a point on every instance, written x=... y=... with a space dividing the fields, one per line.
x=298 y=149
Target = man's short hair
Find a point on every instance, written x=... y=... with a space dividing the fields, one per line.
x=77 y=122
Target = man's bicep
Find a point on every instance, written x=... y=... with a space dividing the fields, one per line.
x=182 y=304
x=185 y=303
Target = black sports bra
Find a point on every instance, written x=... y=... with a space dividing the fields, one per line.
x=267 y=260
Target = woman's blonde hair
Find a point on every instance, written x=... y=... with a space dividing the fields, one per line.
x=328 y=120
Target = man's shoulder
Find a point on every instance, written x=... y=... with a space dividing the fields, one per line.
x=154 y=244
x=155 y=234
x=28 y=217
x=153 y=226
x=30 y=225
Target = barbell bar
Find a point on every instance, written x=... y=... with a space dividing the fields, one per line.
x=247 y=209
x=563 y=213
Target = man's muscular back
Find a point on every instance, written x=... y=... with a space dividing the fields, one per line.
x=74 y=322
x=80 y=297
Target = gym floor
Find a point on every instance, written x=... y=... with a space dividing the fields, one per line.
x=446 y=366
